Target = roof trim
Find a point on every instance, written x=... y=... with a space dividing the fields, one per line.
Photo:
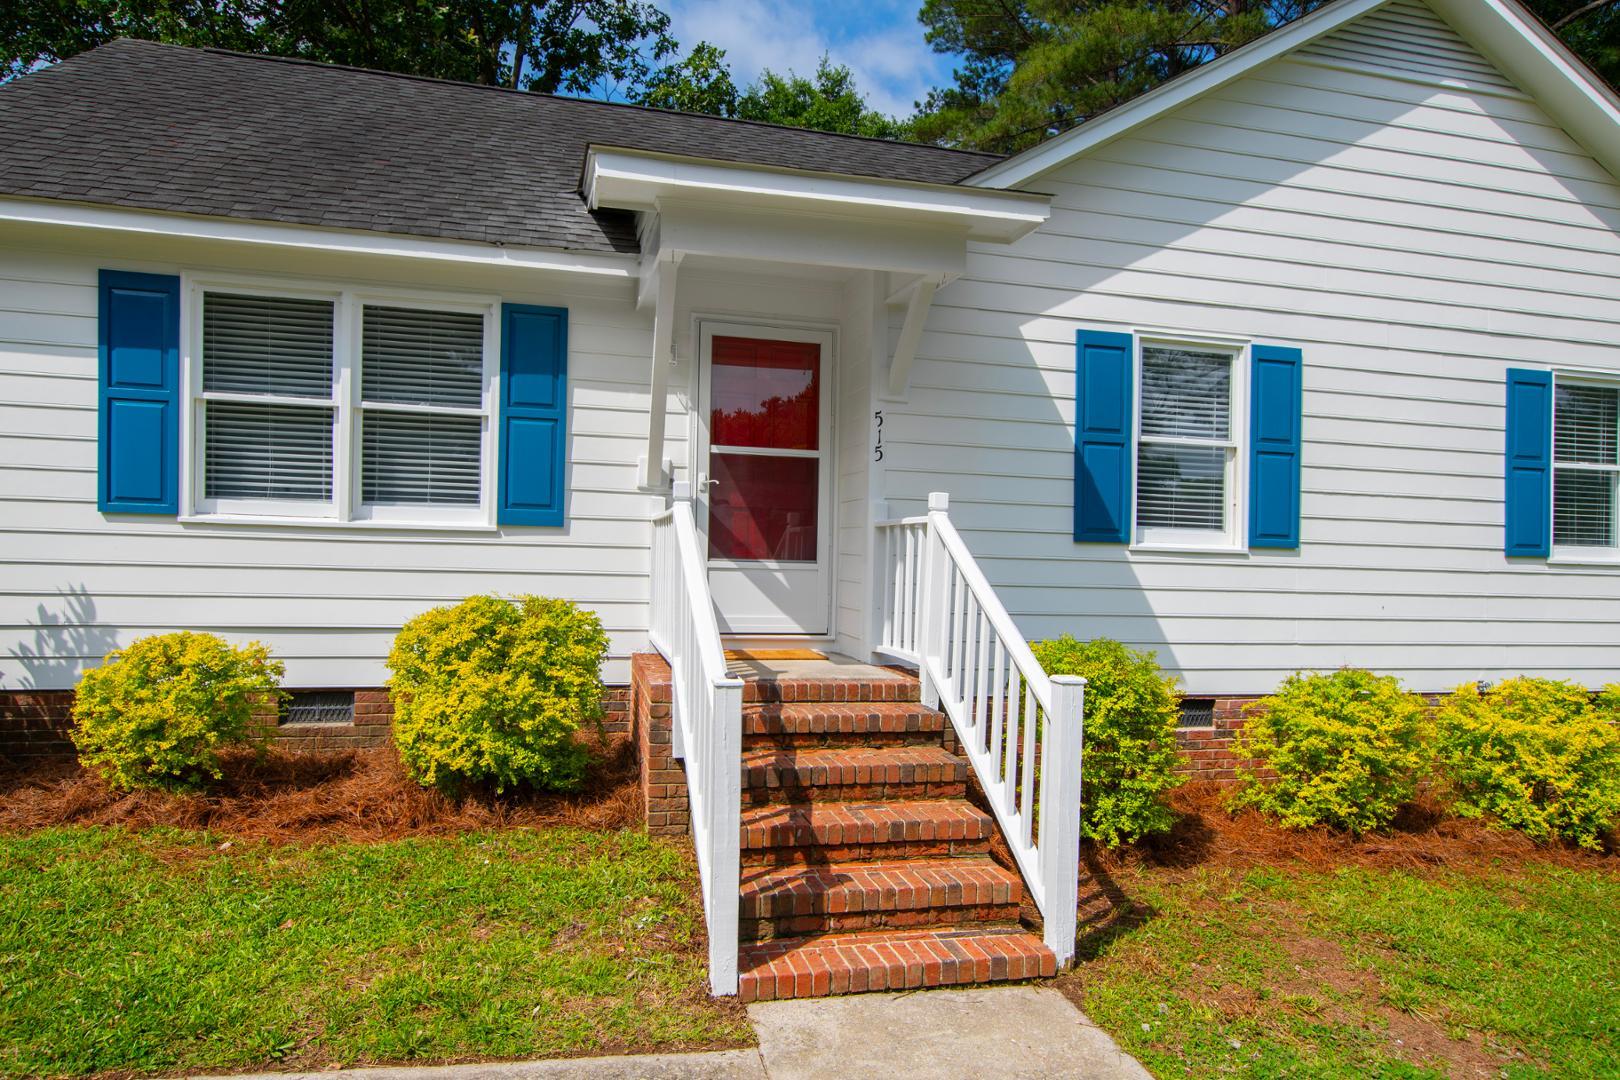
x=638 y=180
x=1502 y=30
x=233 y=230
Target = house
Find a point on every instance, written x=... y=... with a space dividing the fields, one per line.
x=1310 y=357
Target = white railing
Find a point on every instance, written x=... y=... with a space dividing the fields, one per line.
x=706 y=704
x=1021 y=729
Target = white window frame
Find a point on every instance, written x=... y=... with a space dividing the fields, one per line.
x=1232 y=539
x=1572 y=553
x=345 y=509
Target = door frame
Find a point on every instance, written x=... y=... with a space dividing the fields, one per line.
x=705 y=327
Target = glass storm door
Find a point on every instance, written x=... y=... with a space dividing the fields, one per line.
x=764 y=478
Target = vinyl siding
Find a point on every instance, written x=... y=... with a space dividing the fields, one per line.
x=1391 y=204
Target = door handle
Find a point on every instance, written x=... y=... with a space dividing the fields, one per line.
x=705 y=482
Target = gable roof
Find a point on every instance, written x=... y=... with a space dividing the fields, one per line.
x=1507 y=34
x=203 y=131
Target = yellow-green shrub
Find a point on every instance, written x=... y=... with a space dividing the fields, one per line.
x=155 y=714
x=1533 y=754
x=1344 y=749
x=494 y=690
x=1129 y=752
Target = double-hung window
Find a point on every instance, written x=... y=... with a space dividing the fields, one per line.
x=1186 y=447
x=1586 y=464
x=341 y=407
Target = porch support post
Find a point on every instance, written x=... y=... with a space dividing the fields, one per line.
x=905 y=350
x=665 y=268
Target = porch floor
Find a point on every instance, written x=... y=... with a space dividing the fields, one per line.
x=831 y=666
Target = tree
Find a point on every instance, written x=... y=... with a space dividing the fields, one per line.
x=1590 y=27
x=828 y=102
x=1033 y=68
x=701 y=83
x=551 y=45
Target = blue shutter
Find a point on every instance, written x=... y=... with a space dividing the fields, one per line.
x=1528 y=494
x=138 y=366
x=1276 y=398
x=1105 y=364
x=533 y=445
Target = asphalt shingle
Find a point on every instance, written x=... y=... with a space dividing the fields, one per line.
x=202 y=131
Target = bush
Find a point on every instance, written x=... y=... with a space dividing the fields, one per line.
x=1129 y=756
x=156 y=714
x=492 y=690
x=1533 y=754
x=1346 y=749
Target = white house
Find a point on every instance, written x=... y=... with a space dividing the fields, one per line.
x=1308 y=358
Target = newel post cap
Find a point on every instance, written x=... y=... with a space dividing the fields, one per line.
x=938 y=500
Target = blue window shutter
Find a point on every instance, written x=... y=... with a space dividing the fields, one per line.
x=533 y=446
x=1276 y=405
x=1104 y=419
x=1528 y=493
x=138 y=367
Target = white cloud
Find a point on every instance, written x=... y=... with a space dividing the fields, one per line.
x=880 y=41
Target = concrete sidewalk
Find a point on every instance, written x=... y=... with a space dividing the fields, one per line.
x=988 y=1033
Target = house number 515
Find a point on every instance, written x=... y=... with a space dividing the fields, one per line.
x=877 y=447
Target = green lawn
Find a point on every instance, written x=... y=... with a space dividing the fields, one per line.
x=1510 y=971
x=166 y=951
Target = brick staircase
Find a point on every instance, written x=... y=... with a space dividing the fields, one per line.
x=864 y=866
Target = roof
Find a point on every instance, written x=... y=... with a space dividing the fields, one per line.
x=203 y=131
x=1504 y=31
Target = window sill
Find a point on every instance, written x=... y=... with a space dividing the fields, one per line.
x=1596 y=558
x=332 y=523
x=1187 y=549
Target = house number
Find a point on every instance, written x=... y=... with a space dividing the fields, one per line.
x=877 y=447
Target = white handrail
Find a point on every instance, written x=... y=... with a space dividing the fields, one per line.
x=706 y=707
x=1021 y=730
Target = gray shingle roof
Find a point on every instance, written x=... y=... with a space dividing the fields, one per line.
x=201 y=131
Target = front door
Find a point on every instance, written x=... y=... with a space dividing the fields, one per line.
x=765 y=475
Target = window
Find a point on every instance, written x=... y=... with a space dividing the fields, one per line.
x=1187 y=451
x=1586 y=464
x=341 y=407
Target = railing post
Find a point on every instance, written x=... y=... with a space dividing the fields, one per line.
x=933 y=610
x=725 y=835
x=1060 y=814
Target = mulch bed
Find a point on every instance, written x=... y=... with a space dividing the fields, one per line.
x=287 y=797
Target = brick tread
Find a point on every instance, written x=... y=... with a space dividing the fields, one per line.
x=840 y=766
x=835 y=824
x=808 y=723
x=909 y=885
x=892 y=960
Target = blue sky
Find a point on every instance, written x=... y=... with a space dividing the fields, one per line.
x=880 y=40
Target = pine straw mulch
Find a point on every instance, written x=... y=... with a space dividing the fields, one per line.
x=301 y=797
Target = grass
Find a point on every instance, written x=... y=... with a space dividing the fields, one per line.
x=1509 y=971
x=163 y=951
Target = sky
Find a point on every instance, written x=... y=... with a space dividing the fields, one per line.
x=881 y=41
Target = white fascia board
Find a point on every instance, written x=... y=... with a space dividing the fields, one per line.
x=638 y=180
x=230 y=230
x=1542 y=65
x=1056 y=152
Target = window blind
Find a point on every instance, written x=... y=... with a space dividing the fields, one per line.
x=420 y=458
x=1586 y=464
x=267 y=345
x=415 y=357
x=267 y=451
x=1186 y=427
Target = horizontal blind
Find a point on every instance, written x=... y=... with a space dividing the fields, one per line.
x=1186 y=394
x=1181 y=487
x=267 y=345
x=1586 y=424
x=415 y=357
x=420 y=458
x=267 y=451
x=1586 y=432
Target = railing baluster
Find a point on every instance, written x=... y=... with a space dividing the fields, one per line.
x=998 y=683
x=1032 y=724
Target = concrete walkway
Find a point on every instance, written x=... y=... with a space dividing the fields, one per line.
x=988 y=1033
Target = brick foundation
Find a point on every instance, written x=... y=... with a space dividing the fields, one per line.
x=34 y=724
x=663 y=781
x=1206 y=752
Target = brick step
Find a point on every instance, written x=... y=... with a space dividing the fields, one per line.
x=889 y=960
x=848 y=832
x=822 y=723
x=783 y=688
x=796 y=901
x=853 y=774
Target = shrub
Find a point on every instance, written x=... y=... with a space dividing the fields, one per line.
x=155 y=714
x=492 y=690
x=1130 y=736
x=1533 y=754
x=1344 y=749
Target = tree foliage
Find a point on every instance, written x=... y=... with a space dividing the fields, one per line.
x=1590 y=28
x=573 y=46
x=827 y=101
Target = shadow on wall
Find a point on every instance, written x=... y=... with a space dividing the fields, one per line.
x=65 y=641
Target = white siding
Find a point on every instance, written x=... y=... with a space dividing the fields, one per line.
x=75 y=583
x=1390 y=203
